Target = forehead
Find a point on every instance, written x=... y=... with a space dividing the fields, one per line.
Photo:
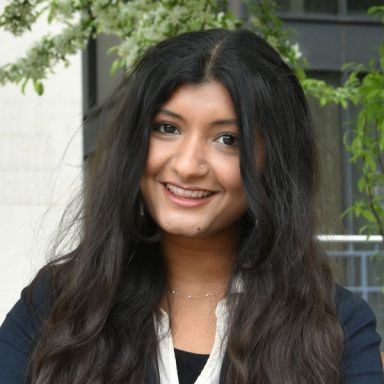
x=210 y=99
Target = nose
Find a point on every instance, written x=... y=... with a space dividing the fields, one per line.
x=190 y=159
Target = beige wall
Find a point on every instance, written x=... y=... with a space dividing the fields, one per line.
x=40 y=166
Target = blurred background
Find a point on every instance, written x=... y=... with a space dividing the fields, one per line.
x=41 y=155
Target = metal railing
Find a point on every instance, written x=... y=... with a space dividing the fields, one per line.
x=364 y=257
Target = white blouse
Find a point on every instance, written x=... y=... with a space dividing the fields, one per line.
x=166 y=358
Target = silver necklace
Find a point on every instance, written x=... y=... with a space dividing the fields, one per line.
x=189 y=297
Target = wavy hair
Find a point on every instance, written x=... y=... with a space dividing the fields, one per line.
x=283 y=328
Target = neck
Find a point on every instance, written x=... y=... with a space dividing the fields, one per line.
x=196 y=266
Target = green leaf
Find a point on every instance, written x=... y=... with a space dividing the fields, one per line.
x=376 y=10
x=361 y=184
x=23 y=85
x=368 y=215
x=38 y=86
x=116 y=66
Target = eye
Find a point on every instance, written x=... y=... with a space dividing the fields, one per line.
x=228 y=139
x=166 y=128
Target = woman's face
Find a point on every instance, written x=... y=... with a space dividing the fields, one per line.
x=191 y=185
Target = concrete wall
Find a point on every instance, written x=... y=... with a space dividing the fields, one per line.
x=40 y=165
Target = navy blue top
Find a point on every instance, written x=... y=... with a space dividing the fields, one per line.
x=361 y=358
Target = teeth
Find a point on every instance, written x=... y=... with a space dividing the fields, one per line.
x=185 y=193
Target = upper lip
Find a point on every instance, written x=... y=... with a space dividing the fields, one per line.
x=186 y=187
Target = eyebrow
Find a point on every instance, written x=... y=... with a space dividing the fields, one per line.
x=220 y=122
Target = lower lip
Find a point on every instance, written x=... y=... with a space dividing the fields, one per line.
x=185 y=201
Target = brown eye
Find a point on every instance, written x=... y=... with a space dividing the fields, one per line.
x=228 y=139
x=166 y=128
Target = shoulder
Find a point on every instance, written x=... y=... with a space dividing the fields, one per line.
x=21 y=329
x=361 y=357
x=352 y=310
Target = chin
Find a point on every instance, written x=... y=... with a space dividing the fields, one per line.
x=186 y=231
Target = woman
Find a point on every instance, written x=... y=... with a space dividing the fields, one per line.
x=197 y=260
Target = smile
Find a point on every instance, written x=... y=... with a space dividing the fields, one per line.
x=186 y=193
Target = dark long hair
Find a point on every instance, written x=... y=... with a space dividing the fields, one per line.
x=107 y=291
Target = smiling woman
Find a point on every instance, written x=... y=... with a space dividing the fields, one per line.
x=196 y=260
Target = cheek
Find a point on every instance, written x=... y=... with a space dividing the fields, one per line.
x=230 y=178
x=157 y=158
x=153 y=158
x=235 y=203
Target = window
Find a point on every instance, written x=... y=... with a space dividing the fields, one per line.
x=309 y=6
x=358 y=7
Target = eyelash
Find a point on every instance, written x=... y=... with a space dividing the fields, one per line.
x=159 y=127
x=231 y=136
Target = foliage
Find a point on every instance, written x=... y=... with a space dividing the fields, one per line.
x=264 y=21
x=366 y=143
x=137 y=23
